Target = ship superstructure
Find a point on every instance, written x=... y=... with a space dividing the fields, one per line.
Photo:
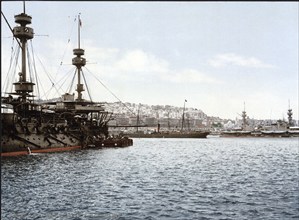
x=28 y=127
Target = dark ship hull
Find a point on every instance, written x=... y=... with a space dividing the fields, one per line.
x=25 y=135
x=22 y=144
x=285 y=133
x=198 y=134
x=236 y=134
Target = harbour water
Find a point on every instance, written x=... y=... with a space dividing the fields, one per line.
x=213 y=178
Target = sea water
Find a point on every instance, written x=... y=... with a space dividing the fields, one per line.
x=213 y=178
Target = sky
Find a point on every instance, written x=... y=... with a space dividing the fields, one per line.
x=215 y=55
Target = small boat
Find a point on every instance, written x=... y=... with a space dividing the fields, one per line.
x=274 y=133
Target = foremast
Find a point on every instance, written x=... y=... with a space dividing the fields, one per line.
x=244 y=119
x=23 y=88
x=290 y=118
x=79 y=62
x=183 y=116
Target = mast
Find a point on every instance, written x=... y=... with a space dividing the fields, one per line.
x=137 y=118
x=79 y=25
x=79 y=62
x=183 y=117
x=23 y=33
x=168 y=122
x=290 y=113
x=244 y=121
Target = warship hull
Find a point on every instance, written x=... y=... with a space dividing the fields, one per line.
x=22 y=144
x=261 y=134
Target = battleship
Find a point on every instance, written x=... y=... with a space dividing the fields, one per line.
x=71 y=123
x=280 y=128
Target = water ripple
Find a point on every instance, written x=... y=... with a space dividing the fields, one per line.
x=157 y=179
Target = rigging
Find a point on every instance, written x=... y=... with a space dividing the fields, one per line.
x=10 y=28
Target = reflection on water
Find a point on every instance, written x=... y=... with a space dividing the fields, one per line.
x=214 y=178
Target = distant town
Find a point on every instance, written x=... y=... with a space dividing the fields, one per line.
x=143 y=116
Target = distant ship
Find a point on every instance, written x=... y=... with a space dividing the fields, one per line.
x=170 y=134
x=279 y=129
x=242 y=131
x=68 y=124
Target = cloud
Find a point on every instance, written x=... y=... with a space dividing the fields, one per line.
x=102 y=54
x=231 y=59
x=189 y=76
x=139 y=61
x=138 y=65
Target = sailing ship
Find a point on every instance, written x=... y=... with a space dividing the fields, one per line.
x=170 y=134
x=68 y=124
